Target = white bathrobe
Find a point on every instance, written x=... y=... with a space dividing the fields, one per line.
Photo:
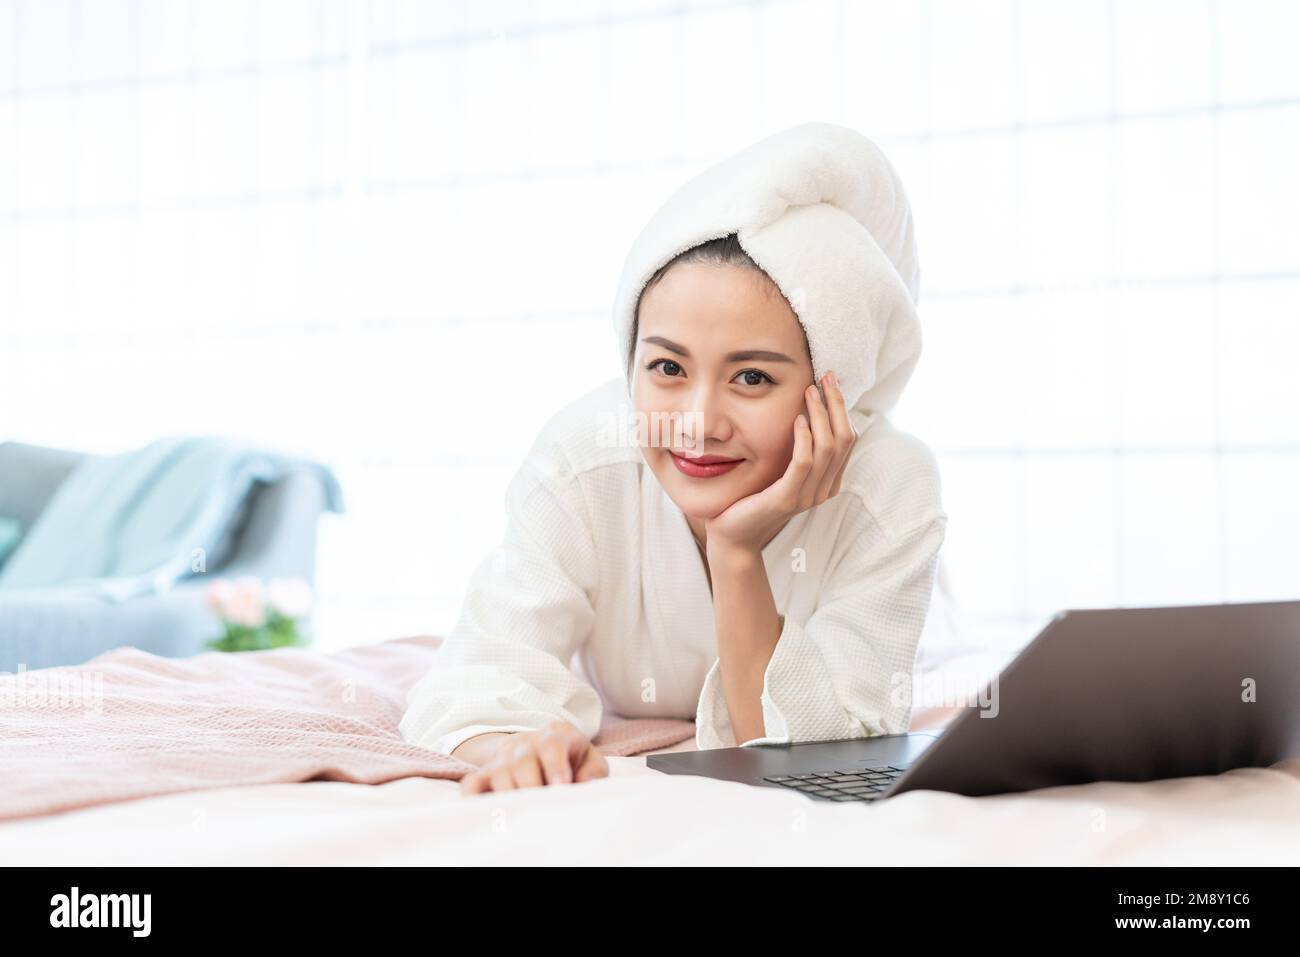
x=598 y=598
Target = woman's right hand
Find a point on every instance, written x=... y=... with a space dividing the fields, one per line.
x=558 y=754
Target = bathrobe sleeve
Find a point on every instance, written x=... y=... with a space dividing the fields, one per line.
x=528 y=607
x=846 y=672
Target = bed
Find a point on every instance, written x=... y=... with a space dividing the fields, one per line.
x=384 y=813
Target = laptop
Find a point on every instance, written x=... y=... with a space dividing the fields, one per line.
x=1103 y=694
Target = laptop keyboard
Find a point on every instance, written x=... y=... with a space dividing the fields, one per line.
x=853 y=784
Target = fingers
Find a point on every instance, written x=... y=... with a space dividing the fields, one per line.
x=824 y=450
x=839 y=412
x=595 y=766
x=801 y=462
x=560 y=754
x=835 y=486
x=845 y=435
x=553 y=750
x=501 y=776
x=525 y=765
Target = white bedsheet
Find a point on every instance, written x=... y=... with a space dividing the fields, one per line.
x=639 y=816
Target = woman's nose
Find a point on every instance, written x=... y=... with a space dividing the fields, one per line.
x=710 y=413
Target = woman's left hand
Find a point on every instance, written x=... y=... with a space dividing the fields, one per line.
x=821 y=450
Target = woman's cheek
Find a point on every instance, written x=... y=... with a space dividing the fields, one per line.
x=781 y=455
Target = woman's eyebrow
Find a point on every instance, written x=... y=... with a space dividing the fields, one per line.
x=747 y=355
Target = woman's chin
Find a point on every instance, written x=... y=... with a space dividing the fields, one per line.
x=700 y=504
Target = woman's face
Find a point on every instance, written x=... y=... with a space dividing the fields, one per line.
x=720 y=351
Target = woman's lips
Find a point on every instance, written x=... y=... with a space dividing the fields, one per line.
x=702 y=469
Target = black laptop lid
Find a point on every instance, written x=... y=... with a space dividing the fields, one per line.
x=1130 y=694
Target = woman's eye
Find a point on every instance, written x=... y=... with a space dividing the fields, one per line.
x=753 y=377
x=763 y=377
x=666 y=363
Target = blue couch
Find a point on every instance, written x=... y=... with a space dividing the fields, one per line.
x=273 y=535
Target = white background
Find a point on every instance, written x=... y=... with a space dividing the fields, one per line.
x=387 y=235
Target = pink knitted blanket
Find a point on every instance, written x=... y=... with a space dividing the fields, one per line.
x=129 y=724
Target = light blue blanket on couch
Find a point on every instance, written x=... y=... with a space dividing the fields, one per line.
x=130 y=524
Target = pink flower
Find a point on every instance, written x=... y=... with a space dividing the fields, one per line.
x=218 y=596
x=242 y=602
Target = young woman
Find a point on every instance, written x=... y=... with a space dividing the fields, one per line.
x=765 y=567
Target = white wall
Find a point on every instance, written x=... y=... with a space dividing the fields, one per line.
x=387 y=234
